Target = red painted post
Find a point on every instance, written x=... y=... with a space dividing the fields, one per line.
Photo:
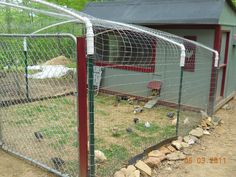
x=82 y=106
x=212 y=94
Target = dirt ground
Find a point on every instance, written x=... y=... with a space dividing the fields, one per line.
x=11 y=166
x=220 y=145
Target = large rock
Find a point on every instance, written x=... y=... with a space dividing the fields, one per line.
x=144 y=168
x=100 y=156
x=164 y=150
x=197 y=132
x=119 y=174
x=157 y=154
x=177 y=144
x=153 y=161
x=176 y=156
x=130 y=170
x=190 y=139
x=171 y=148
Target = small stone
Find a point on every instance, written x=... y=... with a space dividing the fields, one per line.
x=157 y=154
x=177 y=144
x=144 y=168
x=205 y=132
x=164 y=150
x=198 y=132
x=168 y=169
x=100 y=156
x=226 y=107
x=171 y=148
x=153 y=161
x=119 y=174
x=184 y=145
x=176 y=156
x=222 y=122
x=187 y=152
x=190 y=139
x=215 y=120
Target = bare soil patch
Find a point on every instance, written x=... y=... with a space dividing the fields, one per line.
x=11 y=166
x=214 y=157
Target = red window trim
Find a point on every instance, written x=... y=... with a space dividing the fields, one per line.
x=190 y=67
x=150 y=69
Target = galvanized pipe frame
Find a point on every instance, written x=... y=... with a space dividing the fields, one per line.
x=2 y=145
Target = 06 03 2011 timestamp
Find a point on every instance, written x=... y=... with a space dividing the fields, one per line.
x=205 y=160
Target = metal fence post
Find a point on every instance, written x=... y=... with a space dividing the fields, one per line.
x=91 y=116
x=26 y=68
x=179 y=99
x=82 y=106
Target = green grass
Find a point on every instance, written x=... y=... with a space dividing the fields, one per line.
x=152 y=129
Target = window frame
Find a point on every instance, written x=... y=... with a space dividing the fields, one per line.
x=149 y=69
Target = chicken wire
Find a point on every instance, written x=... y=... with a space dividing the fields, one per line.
x=135 y=64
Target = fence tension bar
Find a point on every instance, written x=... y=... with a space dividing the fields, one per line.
x=82 y=107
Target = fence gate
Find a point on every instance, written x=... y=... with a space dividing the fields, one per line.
x=38 y=100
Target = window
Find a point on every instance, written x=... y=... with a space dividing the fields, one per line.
x=125 y=50
x=190 y=54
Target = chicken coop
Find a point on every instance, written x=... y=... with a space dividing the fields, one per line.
x=73 y=86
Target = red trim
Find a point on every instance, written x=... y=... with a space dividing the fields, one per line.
x=217 y=46
x=225 y=63
x=82 y=106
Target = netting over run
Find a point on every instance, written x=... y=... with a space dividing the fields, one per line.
x=143 y=79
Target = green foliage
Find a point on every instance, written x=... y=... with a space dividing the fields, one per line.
x=74 y=4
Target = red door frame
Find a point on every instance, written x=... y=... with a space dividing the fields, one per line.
x=224 y=65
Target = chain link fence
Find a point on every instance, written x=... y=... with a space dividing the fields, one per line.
x=38 y=105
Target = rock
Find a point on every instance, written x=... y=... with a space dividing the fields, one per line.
x=184 y=145
x=168 y=169
x=137 y=173
x=130 y=170
x=153 y=161
x=215 y=120
x=177 y=144
x=100 y=156
x=119 y=174
x=174 y=122
x=170 y=115
x=226 y=107
x=164 y=150
x=124 y=170
x=157 y=154
x=171 y=148
x=205 y=132
x=191 y=139
x=144 y=168
x=187 y=151
x=176 y=156
x=147 y=125
x=197 y=132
